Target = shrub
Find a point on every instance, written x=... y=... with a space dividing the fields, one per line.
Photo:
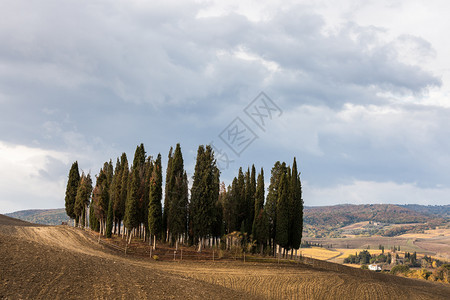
x=400 y=269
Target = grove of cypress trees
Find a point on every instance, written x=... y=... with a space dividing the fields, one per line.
x=71 y=190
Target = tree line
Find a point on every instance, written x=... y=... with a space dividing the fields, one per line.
x=128 y=201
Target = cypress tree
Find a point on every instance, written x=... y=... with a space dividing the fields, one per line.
x=297 y=208
x=167 y=190
x=261 y=229
x=241 y=201
x=83 y=198
x=282 y=229
x=124 y=188
x=101 y=198
x=71 y=190
x=252 y=194
x=248 y=191
x=115 y=191
x=272 y=199
x=230 y=208
x=134 y=205
x=131 y=219
x=155 y=197
x=178 y=200
x=109 y=219
x=204 y=194
x=93 y=221
x=259 y=199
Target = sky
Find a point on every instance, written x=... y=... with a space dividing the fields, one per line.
x=357 y=91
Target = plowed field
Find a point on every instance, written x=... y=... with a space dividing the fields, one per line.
x=55 y=262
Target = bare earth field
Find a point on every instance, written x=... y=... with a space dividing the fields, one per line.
x=434 y=243
x=55 y=262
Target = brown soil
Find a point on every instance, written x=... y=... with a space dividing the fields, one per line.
x=56 y=262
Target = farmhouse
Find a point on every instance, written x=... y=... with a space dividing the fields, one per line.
x=375 y=267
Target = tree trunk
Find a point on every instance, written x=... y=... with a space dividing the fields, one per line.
x=86 y=217
x=200 y=241
x=129 y=240
x=154 y=242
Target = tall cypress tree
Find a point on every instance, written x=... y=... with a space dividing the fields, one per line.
x=259 y=199
x=261 y=229
x=100 y=197
x=155 y=197
x=178 y=201
x=134 y=210
x=93 y=221
x=296 y=226
x=282 y=229
x=83 y=198
x=167 y=190
x=115 y=190
x=131 y=219
x=204 y=194
x=242 y=201
x=124 y=188
x=71 y=190
x=109 y=219
x=252 y=194
x=272 y=198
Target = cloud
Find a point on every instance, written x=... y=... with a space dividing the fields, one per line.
x=364 y=96
x=32 y=175
x=371 y=192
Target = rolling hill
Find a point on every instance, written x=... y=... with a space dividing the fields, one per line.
x=41 y=216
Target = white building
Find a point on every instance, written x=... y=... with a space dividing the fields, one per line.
x=375 y=267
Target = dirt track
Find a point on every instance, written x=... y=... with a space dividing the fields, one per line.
x=63 y=262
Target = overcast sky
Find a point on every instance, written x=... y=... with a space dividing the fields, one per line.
x=357 y=91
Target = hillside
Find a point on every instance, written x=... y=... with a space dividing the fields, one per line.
x=323 y=221
x=336 y=216
x=41 y=216
x=442 y=211
x=65 y=262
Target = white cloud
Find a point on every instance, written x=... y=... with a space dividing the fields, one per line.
x=23 y=180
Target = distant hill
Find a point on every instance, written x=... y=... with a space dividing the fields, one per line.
x=347 y=214
x=430 y=210
x=318 y=216
x=328 y=220
x=42 y=216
